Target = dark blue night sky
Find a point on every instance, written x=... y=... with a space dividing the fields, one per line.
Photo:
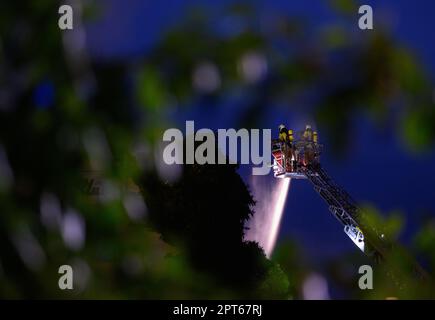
x=375 y=170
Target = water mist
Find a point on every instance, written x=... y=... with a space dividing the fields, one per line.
x=270 y=198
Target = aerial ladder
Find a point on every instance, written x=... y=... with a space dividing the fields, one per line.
x=297 y=156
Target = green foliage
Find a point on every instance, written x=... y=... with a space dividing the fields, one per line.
x=390 y=226
x=275 y=285
x=345 y=6
x=94 y=127
x=151 y=92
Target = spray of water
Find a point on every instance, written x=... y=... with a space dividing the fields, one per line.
x=264 y=225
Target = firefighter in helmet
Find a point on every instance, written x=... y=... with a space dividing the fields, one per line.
x=292 y=150
x=283 y=134
x=308 y=133
x=285 y=145
x=308 y=147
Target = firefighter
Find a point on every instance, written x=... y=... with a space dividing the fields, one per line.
x=290 y=136
x=292 y=150
x=283 y=133
x=308 y=133
x=308 y=148
x=284 y=138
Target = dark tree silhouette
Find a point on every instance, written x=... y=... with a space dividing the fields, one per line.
x=205 y=211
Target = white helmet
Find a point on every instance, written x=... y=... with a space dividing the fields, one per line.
x=281 y=127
